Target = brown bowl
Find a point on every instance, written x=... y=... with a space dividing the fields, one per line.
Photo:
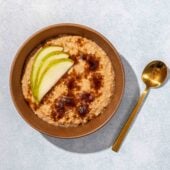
x=16 y=73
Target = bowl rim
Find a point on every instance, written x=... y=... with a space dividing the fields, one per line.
x=14 y=60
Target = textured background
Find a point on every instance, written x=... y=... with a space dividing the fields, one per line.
x=140 y=30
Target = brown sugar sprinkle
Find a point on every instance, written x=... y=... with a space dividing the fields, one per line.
x=71 y=82
x=72 y=79
x=87 y=97
x=68 y=101
x=61 y=105
x=80 y=42
x=93 y=64
x=78 y=76
x=58 y=110
x=96 y=81
x=74 y=58
x=53 y=115
x=83 y=109
x=92 y=61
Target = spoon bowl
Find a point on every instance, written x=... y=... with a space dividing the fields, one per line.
x=154 y=74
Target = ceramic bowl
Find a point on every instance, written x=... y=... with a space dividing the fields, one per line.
x=17 y=70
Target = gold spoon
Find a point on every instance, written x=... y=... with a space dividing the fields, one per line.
x=154 y=75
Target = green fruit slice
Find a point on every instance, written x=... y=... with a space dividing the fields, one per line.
x=53 y=72
x=38 y=60
x=46 y=60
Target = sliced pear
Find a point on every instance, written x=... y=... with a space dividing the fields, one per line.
x=53 y=72
x=42 y=53
x=45 y=62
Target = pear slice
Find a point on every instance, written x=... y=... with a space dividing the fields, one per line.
x=39 y=55
x=46 y=60
x=53 y=72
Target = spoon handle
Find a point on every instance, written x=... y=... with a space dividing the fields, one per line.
x=129 y=122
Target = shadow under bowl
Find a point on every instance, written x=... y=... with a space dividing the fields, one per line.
x=17 y=70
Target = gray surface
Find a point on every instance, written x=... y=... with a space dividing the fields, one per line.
x=140 y=30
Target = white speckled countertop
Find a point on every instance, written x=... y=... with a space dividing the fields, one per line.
x=140 y=31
